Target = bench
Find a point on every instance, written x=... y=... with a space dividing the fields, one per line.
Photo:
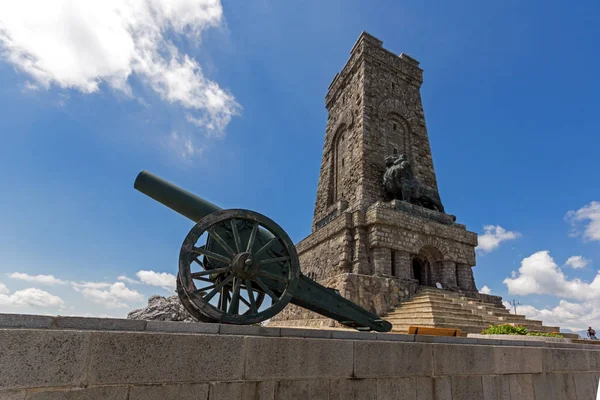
x=423 y=330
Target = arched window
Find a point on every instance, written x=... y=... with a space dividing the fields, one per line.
x=339 y=165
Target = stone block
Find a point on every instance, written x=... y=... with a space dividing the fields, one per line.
x=521 y=387
x=131 y=357
x=425 y=388
x=314 y=389
x=544 y=386
x=594 y=360
x=397 y=388
x=100 y=324
x=586 y=385
x=513 y=342
x=390 y=359
x=26 y=321
x=181 y=327
x=291 y=358
x=433 y=339
x=354 y=335
x=241 y=391
x=564 y=386
x=353 y=389
x=461 y=340
x=395 y=337
x=193 y=391
x=518 y=360
x=463 y=360
x=248 y=330
x=535 y=343
x=566 y=360
x=489 y=342
x=41 y=358
x=467 y=388
x=13 y=395
x=306 y=333
x=92 y=393
x=495 y=387
x=442 y=388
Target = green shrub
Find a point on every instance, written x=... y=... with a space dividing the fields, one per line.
x=505 y=330
x=515 y=330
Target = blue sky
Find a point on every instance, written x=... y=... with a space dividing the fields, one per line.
x=510 y=98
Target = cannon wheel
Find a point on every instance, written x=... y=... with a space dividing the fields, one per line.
x=238 y=270
x=194 y=312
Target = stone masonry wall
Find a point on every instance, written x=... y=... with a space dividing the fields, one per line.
x=97 y=359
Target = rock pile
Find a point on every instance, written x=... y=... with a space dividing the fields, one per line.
x=161 y=308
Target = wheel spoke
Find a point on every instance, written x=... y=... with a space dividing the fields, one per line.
x=203 y=290
x=274 y=260
x=202 y=279
x=218 y=288
x=266 y=289
x=210 y=254
x=265 y=247
x=273 y=276
x=252 y=237
x=197 y=275
x=198 y=261
x=236 y=236
x=213 y=233
x=235 y=298
x=243 y=300
x=252 y=306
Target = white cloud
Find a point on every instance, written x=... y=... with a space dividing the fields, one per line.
x=160 y=279
x=107 y=294
x=539 y=274
x=3 y=289
x=42 y=279
x=183 y=145
x=577 y=262
x=485 y=290
x=589 y=214
x=81 y=44
x=492 y=237
x=127 y=279
x=29 y=297
x=567 y=315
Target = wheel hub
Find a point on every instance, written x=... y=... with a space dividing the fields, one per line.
x=244 y=265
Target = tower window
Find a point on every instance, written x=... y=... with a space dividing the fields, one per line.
x=394 y=126
x=393 y=85
x=343 y=162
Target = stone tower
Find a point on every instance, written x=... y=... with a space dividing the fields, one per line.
x=377 y=251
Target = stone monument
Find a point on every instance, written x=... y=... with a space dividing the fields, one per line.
x=380 y=230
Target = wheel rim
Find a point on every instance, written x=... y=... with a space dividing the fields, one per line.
x=246 y=257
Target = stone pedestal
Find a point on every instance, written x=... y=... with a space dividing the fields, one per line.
x=379 y=257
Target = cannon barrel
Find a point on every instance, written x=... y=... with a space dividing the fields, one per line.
x=307 y=294
x=179 y=200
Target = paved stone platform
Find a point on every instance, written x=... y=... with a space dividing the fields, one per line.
x=45 y=357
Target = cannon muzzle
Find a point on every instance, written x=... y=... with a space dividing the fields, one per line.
x=179 y=200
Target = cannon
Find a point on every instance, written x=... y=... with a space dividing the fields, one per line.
x=237 y=266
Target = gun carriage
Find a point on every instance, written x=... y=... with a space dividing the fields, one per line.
x=239 y=267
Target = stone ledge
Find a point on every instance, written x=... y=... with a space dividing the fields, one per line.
x=36 y=322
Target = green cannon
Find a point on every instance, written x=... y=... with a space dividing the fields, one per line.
x=239 y=267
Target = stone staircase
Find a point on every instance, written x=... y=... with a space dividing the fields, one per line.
x=439 y=308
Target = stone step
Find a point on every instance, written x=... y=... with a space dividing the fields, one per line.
x=429 y=307
x=432 y=302
x=433 y=310
x=453 y=320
